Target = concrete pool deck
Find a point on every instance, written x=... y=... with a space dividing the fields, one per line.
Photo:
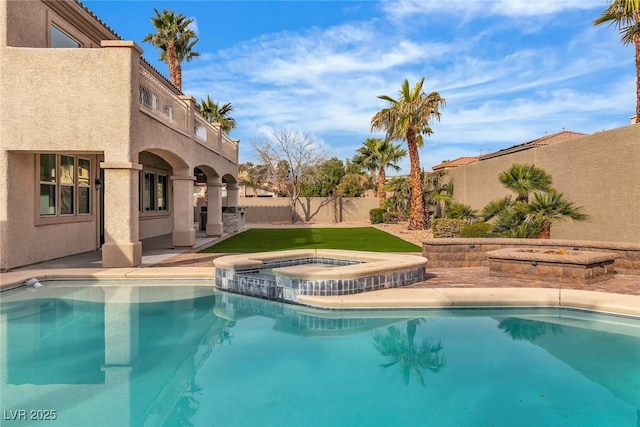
x=443 y=287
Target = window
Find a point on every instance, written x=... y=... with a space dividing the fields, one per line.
x=154 y=101
x=65 y=185
x=154 y=191
x=168 y=110
x=84 y=186
x=47 y=184
x=145 y=96
x=162 y=192
x=60 y=39
x=148 y=192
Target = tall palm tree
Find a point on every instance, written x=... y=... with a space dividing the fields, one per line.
x=407 y=119
x=175 y=40
x=213 y=113
x=376 y=155
x=625 y=15
x=523 y=179
x=548 y=207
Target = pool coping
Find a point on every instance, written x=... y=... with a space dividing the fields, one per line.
x=392 y=298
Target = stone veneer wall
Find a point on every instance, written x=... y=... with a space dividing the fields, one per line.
x=233 y=219
x=472 y=252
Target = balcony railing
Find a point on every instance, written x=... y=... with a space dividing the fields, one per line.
x=169 y=108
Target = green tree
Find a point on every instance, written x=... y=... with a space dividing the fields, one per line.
x=408 y=119
x=252 y=176
x=376 y=155
x=523 y=179
x=324 y=179
x=525 y=218
x=625 y=15
x=461 y=211
x=213 y=113
x=437 y=193
x=399 y=202
x=175 y=40
x=548 y=207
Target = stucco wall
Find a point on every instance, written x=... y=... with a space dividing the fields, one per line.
x=29 y=242
x=314 y=209
x=600 y=172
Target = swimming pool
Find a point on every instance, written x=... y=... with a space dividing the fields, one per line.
x=117 y=354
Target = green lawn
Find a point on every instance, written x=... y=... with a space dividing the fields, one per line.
x=275 y=239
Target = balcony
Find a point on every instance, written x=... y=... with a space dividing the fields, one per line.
x=178 y=112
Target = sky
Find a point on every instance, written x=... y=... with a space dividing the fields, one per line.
x=510 y=70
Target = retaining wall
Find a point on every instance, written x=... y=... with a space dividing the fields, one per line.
x=473 y=252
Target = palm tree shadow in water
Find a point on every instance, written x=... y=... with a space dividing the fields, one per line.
x=401 y=349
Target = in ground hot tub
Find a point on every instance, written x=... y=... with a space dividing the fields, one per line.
x=284 y=275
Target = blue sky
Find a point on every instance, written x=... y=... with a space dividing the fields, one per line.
x=509 y=70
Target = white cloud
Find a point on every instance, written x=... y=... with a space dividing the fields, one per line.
x=402 y=9
x=499 y=92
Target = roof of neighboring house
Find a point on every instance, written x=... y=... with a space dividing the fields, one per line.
x=460 y=161
x=554 y=138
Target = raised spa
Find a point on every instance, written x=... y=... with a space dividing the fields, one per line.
x=284 y=275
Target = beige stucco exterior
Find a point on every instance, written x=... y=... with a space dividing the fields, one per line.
x=102 y=103
x=600 y=172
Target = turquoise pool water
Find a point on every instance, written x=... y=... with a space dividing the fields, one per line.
x=137 y=356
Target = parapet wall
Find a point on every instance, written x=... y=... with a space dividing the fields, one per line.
x=473 y=252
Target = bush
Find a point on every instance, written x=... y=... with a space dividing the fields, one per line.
x=479 y=229
x=376 y=215
x=447 y=227
x=391 y=217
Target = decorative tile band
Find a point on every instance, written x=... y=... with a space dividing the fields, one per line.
x=263 y=282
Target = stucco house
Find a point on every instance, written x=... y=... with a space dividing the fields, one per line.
x=98 y=149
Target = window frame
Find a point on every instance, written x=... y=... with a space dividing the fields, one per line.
x=65 y=33
x=161 y=181
x=74 y=186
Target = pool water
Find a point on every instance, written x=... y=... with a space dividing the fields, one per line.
x=137 y=356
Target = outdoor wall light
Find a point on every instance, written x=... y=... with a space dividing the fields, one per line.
x=97 y=184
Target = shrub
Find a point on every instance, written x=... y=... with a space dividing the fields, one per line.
x=447 y=227
x=376 y=215
x=391 y=217
x=479 y=229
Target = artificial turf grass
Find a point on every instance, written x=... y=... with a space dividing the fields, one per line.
x=275 y=239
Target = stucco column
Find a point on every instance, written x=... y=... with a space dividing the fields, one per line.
x=233 y=191
x=122 y=247
x=183 y=232
x=214 y=209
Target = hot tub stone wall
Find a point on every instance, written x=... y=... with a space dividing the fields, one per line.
x=473 y=252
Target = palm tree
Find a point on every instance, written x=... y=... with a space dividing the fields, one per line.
x=522 y=179
x=625 y=15
x=213 y=113
x=407 y=119
x=400 y=348
x=549 y=207
x=377 y=155
x=175 y=40
x=437 y=194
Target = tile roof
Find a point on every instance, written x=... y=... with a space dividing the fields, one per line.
x=460 y=161
x=554 y=138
